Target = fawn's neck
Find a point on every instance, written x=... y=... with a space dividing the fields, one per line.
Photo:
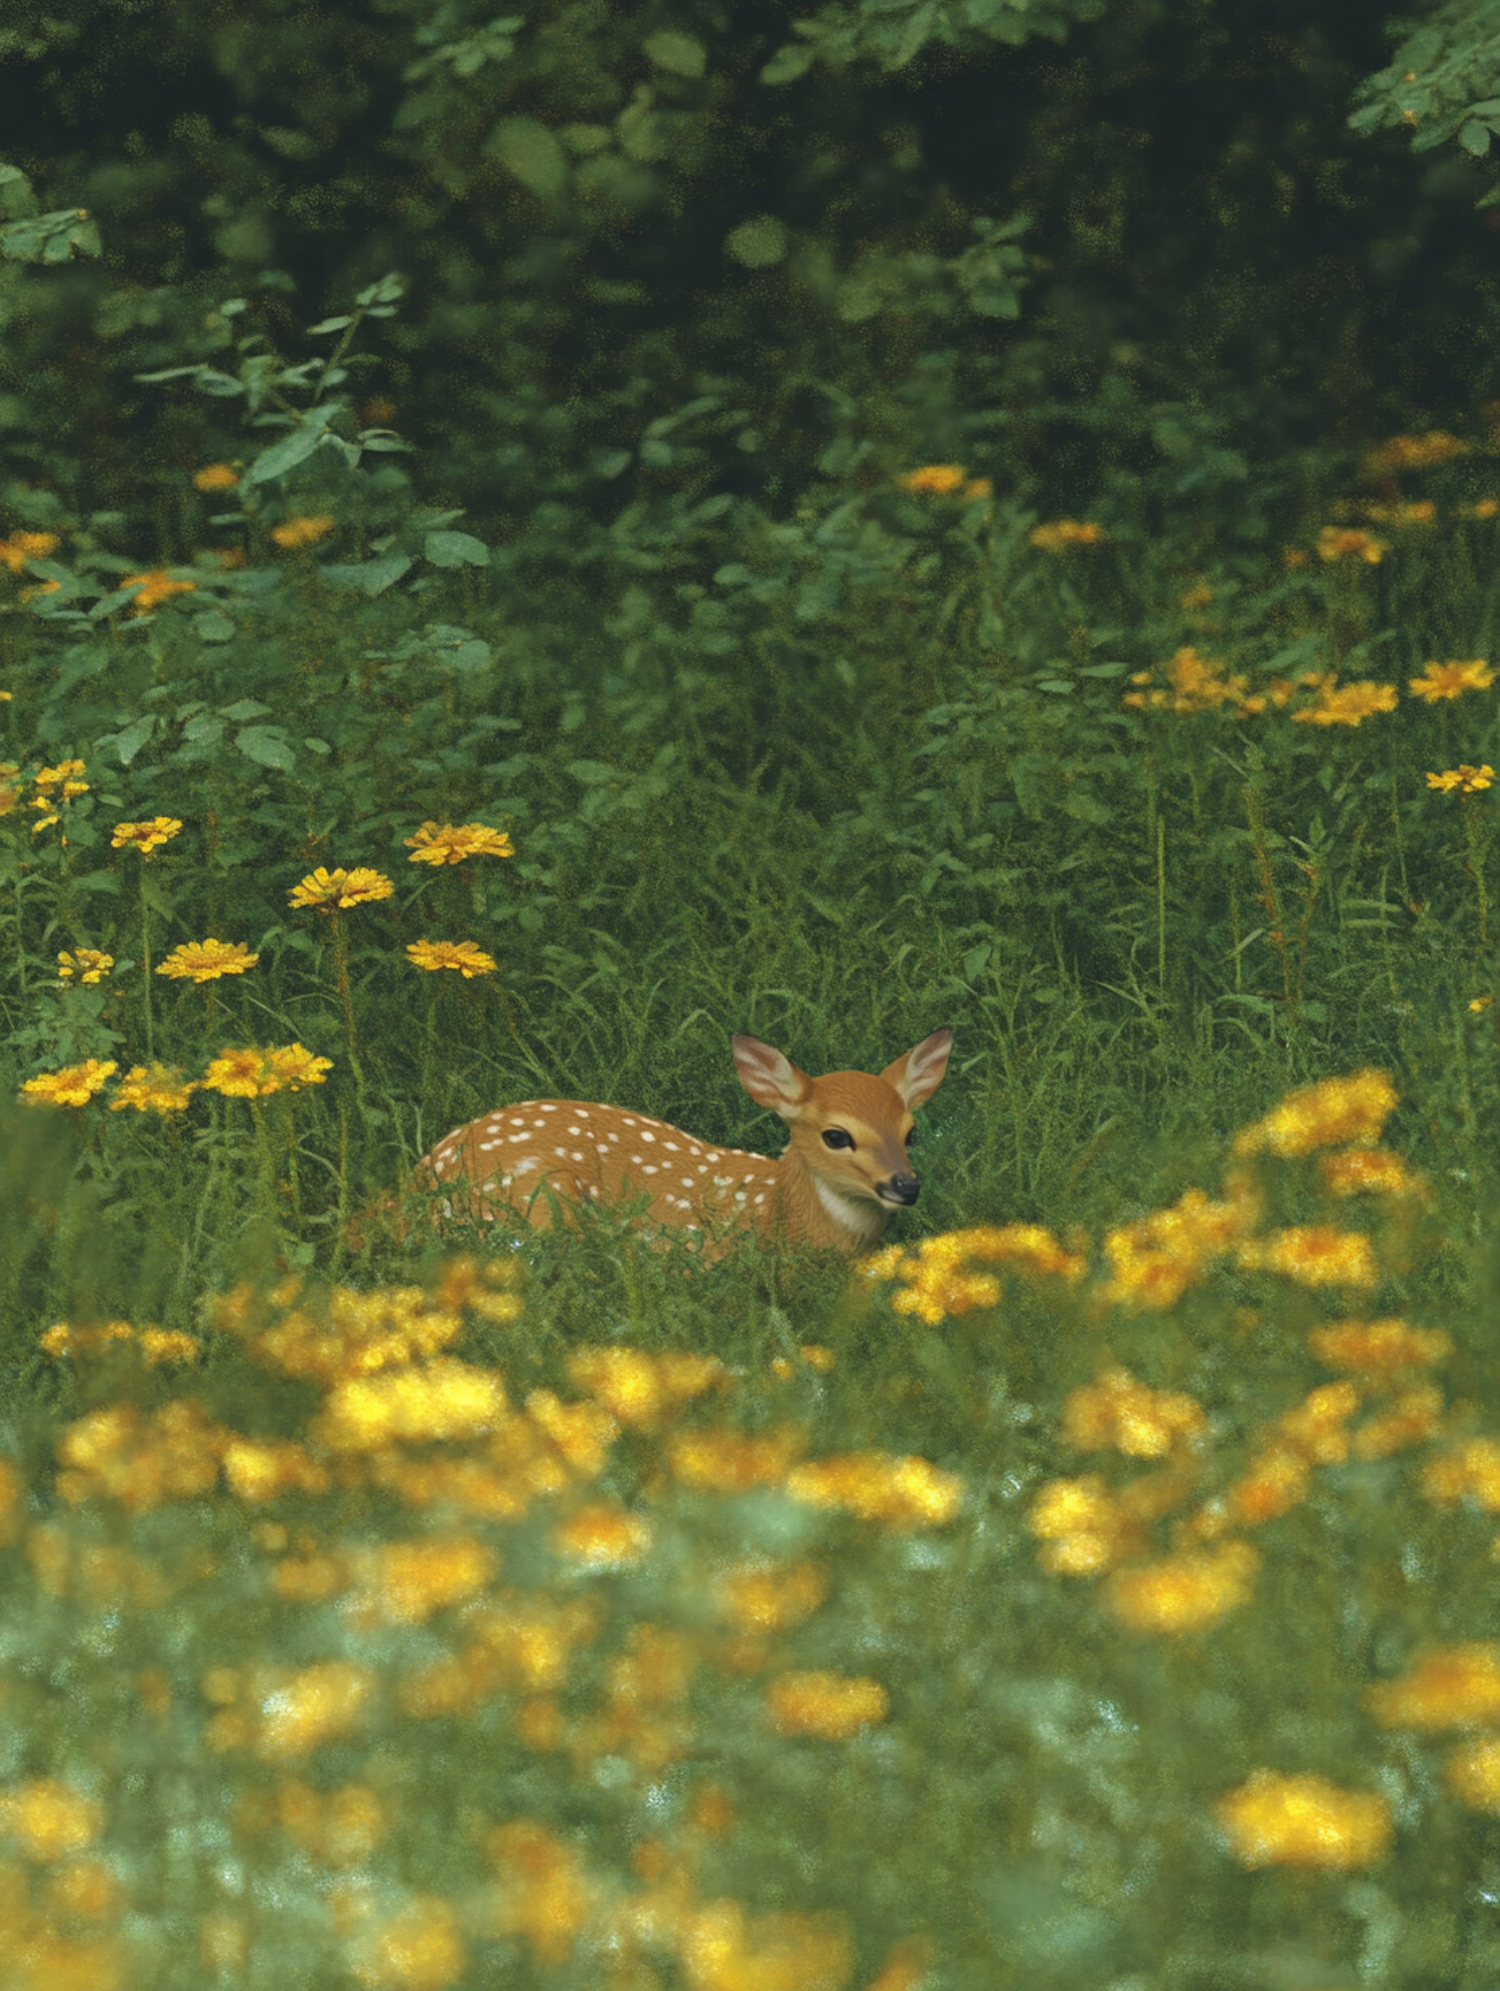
x=809 y=1212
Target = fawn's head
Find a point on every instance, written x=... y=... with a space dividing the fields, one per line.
x=851 y=1130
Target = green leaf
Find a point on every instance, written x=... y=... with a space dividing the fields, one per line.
x=286 y=454
x=456 y=549
x=266 y=747
x=792 y=60
x=370 y=577
x=129 y=743
x=213 y=628
x=244 y=709
x=1475 y=137
x=757 y=243
x=683 y=54
x=529 y=151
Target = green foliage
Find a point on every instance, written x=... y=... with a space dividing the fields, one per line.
x=1442 y=83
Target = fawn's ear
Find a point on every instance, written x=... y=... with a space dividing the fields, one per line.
x=918 y=1075
x=769 y=1078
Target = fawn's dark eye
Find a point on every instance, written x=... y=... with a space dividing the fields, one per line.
x=835 y=1137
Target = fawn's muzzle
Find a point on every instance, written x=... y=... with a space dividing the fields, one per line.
x=901 y=1189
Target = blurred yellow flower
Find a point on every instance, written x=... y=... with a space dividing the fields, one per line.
x=313 y=1707
x=1346 y=704
x=445 y=843
x=1473 y=1774
x=215 y=477
x=602 y=1536
x=463 y=955
x=1464 y=779
x=1314 y=1254
x=157 y=586
x=641 y=1388
x=332 y=891
x=1121 y=1412
x=1379 y=1349
x=87 y=963
x=1336 y=542
x=1414 y=452
x=831 y=1706
x=161 y=1089
x=1336 y=1112
x=145 y=837
x=1062 y=533
x=1273 y=1820
x=74 y=1085
x=1452 y=680
x=1454 y=1686
x=1369 y=1171
x=50 y=1819
x=1471 y=1471
x=902 y=1492
x=207 y=960
x=1184 y=1593
x=24 y=546
x=942 y=478
x=302 y=531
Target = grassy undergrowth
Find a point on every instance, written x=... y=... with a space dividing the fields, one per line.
x=1096 y=1589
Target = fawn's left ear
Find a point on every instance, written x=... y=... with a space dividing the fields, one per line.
x=918 y=1075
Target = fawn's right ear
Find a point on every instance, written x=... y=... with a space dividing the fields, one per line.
x=769 y=1078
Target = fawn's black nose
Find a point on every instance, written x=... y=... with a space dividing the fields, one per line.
x=902 y=1189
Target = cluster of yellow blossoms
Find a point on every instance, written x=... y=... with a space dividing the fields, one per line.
x=1194 y=684
x=399 y=1413
x=251 y=1073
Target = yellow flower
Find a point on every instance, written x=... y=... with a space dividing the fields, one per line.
x=1141 y=1422
x=1274 y=1820
x=938 y=1283
x=215 y=477
x=162 y=1089
x=1467 y=780
x=1347 y=704
x=302 y=531
x=444 y=1399
x=1369 y=1171
x=1452 y=680
x=1336 y=541
x=901 y=1492
x=49 y=1819
x=155 y=587
x=240 y=1075
x=1314 y=1254
x=145 y=837
x=443 y=843
x=1454 y=1686
x=718 y=1461
x=1480 y=1004
x=763 y=1600
x=87 y=963
x=829 y=1705
x=66 y=771
x=640 y=1389
x=1414 y=452
x=1063 y=533
x=404 y=1583
x=332 y=891
x=942 y=478
x=1155 y=1260
x=602 y=1536
x=1471 y=1471
x=417 y=1949
x=1380 y=1348
x=207 y=960
x=463 y=955
x=292 y=1067
x=74 y=1085
x=314 y=1706
x=24 y=546
x=1184 y=1593
x=1473 y=1774
x=1333 y=1113
x=979 y=487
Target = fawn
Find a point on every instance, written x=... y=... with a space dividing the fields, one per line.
x=844 y=1171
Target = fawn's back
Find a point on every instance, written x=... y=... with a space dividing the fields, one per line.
x=844 y=1171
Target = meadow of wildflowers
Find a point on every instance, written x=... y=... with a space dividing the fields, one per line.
x=1101 y=1575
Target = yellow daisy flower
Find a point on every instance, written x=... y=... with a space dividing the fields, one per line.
x=1452 y=680
x=442 y=843
x=1063 y=533
x=332 y=891
x=145 y=837
x=941 y=478
x=294 y=1067
x=216 y=477
x=155 y=587
x=24 y=546
x=463 y=955
x=153 y=1089
x=1336 y=542
x=74 y=1085
x=207 y=960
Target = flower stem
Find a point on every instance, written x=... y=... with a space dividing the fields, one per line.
x=146 y=961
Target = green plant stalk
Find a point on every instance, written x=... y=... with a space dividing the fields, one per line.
x=1269 y=897
x=146 y=962
x=1474 y=833
x=1161 y=908
x=267 y=1170
x=346 y=998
